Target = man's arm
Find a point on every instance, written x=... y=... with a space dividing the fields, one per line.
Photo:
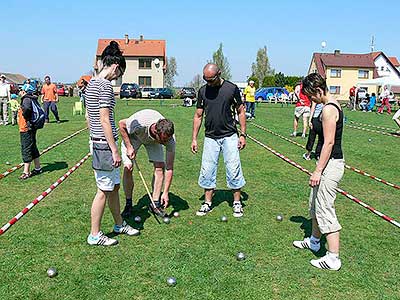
x=130 y=152
x=313 y=105
x=106 y=125
x=329 y=116
x=197 y=120
x=42 y=92
x=242 y=122
x=55 y=90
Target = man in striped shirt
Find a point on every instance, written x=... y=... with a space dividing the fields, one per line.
x=149 y=128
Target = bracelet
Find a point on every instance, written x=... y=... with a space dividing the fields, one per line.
x=243 y=134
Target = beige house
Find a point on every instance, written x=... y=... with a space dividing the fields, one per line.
x=145 y=61
x=343 y=71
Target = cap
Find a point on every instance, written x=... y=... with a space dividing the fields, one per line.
x=251 y=81
x=2 y=76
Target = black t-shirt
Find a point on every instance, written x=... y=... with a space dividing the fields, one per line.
x=219 y=104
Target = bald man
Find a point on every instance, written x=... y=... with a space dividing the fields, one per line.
x=219 y=100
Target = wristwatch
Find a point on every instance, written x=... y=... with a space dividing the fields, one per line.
x=243 y=134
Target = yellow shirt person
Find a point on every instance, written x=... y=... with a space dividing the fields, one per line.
x=249 y=92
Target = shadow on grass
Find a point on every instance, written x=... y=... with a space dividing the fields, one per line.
x=61 y=121
x=58 y=165
x=141 y=210
x=221 y=196
x=306 y=226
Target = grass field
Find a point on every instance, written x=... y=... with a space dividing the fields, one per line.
x=200 y=252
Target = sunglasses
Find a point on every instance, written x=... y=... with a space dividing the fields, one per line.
x=209 y=80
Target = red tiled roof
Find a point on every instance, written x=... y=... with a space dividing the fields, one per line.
x=135 y=47
x=394 y=61
x=324 y=60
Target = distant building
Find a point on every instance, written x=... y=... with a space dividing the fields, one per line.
x=17 y=79
x=342 y=71
x=145 y=60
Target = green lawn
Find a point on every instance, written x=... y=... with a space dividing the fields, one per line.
x=200 y=252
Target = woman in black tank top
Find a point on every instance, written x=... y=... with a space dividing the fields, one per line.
x=325 y=179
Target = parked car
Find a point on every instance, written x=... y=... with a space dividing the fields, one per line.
x=269 y=93
x=60 y=90
x=187 y=92
x=146 y=92
x=164 y=93
x=129 y=90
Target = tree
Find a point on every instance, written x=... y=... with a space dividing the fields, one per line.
x=222 y=62
x=292 y=80
x=256 y=82
x=169 y=77
x=261 y=68
x=280 y=79
x=268 y=81
x=197 y=82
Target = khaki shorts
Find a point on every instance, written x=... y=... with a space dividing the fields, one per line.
x=302 y=111
x=155 y=152
x=322 y=197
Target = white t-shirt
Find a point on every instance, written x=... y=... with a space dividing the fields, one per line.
x=4 y=89
x=138 y=127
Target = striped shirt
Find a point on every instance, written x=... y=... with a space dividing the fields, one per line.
x=99 y=94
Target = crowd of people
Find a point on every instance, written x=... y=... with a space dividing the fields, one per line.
x=220 y=105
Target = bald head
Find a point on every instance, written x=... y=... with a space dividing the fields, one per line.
x=211 y=73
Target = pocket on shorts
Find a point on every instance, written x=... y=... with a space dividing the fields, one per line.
x=102 y=157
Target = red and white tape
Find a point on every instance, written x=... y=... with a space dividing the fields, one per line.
x=42 y=196
x=374 y=131
x=373 y=126
x=344 y=193
x=41 y=153
x=361 y=172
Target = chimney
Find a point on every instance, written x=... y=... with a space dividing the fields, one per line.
x=141 y=38
x=126 y=39
x=337 y=52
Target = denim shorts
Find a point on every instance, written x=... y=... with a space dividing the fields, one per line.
x=209 y=163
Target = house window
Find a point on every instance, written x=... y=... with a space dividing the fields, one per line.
x=334 y=89
x=336 y=73
x=363 y=74
x=145 y=80
x=144 y=63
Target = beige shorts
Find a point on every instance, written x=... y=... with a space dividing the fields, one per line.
x=302 y=111
x=322 y=197
x=155 y=152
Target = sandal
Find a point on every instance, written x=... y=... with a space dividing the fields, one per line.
x=24 y=176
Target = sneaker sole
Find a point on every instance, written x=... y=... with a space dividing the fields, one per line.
x=237 y=215
x=114 y=244
x=135 y=234
x=202 y=214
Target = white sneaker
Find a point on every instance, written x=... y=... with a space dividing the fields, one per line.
x=101 y=240
x=205 y=208
x=306 y=156
x=303 y=136
x=307 y=244
x=327 y=263
x=294 y=134
x=125 y=228
x=237 y=209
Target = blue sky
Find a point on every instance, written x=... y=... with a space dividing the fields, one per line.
x=59 y=38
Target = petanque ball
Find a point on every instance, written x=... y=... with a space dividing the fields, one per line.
x=279 y=218
x=166 y=220
x=224 y=219
x=52 y=272
x=171 y=281
x=138 y=219
x=176 y=214
x=240 y=256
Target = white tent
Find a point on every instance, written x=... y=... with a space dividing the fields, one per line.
x=380 y=81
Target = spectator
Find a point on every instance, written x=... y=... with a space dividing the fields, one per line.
x=50 y=99
x=302 y=110
x=5 y=96
x=364 y=103
x=371 y=103
x=385 y=101
x=14 y=105
x=249 y=93
x=27 y=87
x=352 y=97
x=29 y=148
x=315 y=125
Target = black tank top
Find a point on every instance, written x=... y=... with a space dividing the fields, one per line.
x=337 y=152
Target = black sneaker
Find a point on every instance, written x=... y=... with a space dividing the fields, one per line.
x=204 y=209
x=36 y=172
x=157 y=209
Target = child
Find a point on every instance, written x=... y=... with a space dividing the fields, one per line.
x=372 y=101
x=27 y=133
x=14 y=105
